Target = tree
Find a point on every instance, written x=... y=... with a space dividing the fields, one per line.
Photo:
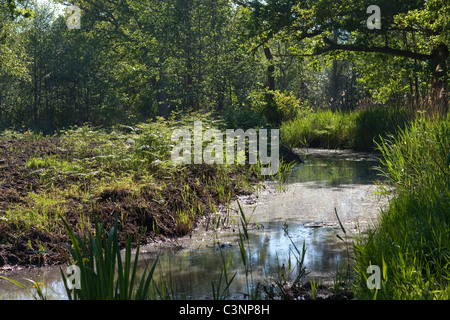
x=15 y=8
x=324 y=27
x=12 y=65
x=182 y=54
x=10 y=10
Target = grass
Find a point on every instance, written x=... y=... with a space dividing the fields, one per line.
x=289 y=275
x=37 y=291
x=357 y=130
x=411 y=241
x=100 y=272
x=103 y=274
x=221 y=286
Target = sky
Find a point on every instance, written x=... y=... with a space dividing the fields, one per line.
x=60 y=9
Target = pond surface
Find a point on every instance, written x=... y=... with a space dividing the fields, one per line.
x=280 y=221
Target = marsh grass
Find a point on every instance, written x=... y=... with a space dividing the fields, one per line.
x=290 y=273
x=38 y=211
x=359 y=129
x=220 y=288
x=103 y=274
x=412 y=238
x=38 y=290
x=244 y=247
x=86 y=162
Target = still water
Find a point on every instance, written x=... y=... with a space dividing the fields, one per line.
x=281 y=220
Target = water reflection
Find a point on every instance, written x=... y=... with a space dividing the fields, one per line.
x=336 y=168
x=191 y=272
x=325 y=181
x=50 y=277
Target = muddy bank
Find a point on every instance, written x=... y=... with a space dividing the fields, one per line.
x=150 y=213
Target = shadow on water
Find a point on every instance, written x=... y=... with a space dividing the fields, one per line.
x=327 y=180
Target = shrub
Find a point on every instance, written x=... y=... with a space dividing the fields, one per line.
x=153 y=142
x=285 y=105
x=243 y=117
x=318 y=129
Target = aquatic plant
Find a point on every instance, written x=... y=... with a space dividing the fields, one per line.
x=103 y=275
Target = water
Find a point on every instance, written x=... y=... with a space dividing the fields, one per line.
x=328 y=182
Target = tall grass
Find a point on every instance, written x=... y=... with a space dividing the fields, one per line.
x=357 y=130
x=319 y=128
x=412 y=237
x=103 y=275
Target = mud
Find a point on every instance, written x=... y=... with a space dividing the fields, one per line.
x=148 y=215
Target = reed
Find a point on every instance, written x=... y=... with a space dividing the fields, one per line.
x=411 y=239
x=359 y=129
x=103 y=274
x=222 y=285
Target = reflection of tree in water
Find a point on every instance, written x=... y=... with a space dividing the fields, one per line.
x=334 y=173
x=272 y=248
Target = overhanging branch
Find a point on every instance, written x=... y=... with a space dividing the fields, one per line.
x=332 y=46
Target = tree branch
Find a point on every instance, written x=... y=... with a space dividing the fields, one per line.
x=332 y=46
x=305 y=34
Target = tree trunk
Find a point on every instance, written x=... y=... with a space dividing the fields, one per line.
x=161 y=98
x=161 y=95
x=438 y=97
x=35 y=85
x=270 y=69
x=87 y=104
x=272 y=114
x=334 y=86
x=334 y=81
x=1 y=107
x=220 y=87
